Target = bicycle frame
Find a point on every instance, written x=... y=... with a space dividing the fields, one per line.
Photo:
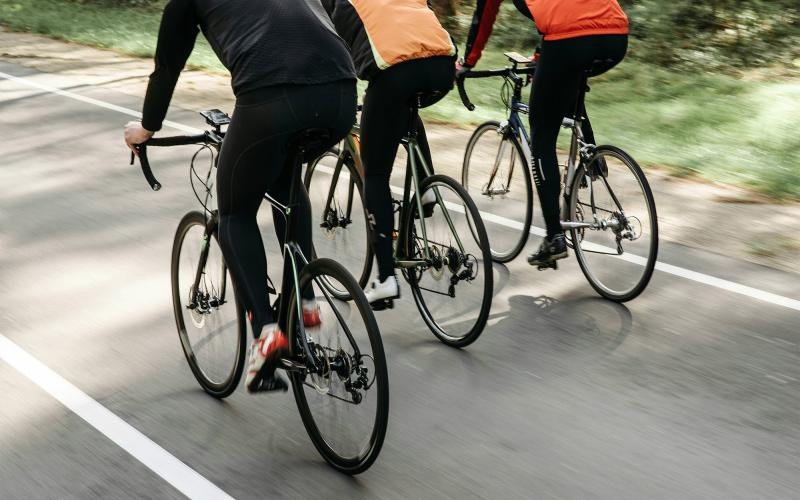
x=416 y=160
x=292 y=254
x=579 y=152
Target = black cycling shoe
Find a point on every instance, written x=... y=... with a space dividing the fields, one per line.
x=599 y=169
x=270 y=383
x=551 y=250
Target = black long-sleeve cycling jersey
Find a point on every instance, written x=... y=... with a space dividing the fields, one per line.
x=262 y=43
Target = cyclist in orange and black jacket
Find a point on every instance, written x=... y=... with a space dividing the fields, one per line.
x=576 y=33
x=400 y=48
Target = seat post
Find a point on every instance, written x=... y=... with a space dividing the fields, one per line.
x=413 y=115
x=582 y=87
x=296 y=155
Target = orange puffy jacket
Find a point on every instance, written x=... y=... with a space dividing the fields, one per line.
x=555 y=19
x=382 y=33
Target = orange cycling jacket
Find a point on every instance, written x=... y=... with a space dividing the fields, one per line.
x=555 y=19
x=382 y=33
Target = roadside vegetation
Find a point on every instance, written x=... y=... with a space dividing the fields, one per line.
x=709 y=88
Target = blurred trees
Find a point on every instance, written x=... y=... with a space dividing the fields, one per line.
x=710 y=34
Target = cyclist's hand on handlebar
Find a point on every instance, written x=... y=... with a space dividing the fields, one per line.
x=135 y=134
x=461 y=69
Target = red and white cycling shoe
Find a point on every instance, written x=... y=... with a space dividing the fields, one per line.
x=311 y=313
x=265 y=355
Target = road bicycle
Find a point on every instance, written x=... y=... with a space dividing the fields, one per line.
x=338 y=370
x=444 y=255
x=610 y=214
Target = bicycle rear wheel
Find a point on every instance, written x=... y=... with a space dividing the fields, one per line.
x=495 y=174
x=618 y=254
x=211 y=323
x=345 y=403
x=340 y=229
x=453 y=290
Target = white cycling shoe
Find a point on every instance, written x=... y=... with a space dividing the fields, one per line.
x=381 y=294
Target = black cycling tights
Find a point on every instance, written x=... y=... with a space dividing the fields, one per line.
x=254 y=161
x=384 y=122
x=555 y=89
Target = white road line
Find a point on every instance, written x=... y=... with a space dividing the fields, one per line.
x=172 y=470
x=697 y=277
x=688 y=274
x=94 y=102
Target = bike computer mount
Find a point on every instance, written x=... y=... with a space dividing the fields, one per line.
x=216 y=118
x=518 y=58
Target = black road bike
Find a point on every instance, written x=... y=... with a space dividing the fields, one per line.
x=444 y=255
x=337 y=370
x=608 y=209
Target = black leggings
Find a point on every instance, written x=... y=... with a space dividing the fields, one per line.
x=254 y=160
x=555 y=89
x=384 y=122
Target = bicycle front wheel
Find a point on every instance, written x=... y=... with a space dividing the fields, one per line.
x=210 y=321
x=618 y=252
x=495 y=174
x=449 y=263
x=339 y=223
x=344 y=398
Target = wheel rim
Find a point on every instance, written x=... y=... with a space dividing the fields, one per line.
x=344 y=236
x=506 y=197
x=616 y=276
x=209 y=332
x=346 y=430
x=452 y=319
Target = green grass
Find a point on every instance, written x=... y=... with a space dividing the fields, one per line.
x=717 y=126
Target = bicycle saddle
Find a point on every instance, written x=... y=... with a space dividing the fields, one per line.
x=313 y=142
x=425 y=99
x=599 y=66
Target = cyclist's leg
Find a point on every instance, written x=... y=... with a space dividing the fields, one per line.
x=389 y=95
x=258 y=134
x=382 y=128
x=330 y=107
x=434 y=74
x=249 y=160
x=555 y=86
x=610 y=48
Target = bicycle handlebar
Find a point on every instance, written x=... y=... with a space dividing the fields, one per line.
x=180 y=140
x=505 y=72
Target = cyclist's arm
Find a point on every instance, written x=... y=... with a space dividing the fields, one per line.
x=345 y=20
x=480 y=30
x=176 y=38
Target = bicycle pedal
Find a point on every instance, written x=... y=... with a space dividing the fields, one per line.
x=271 y=384
x=382 y=304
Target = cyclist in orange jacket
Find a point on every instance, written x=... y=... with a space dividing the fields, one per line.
x=579 y=36
x=401 y=49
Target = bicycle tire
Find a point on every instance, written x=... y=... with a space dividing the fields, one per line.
x=506 y=253
x=355 y=464
x=217 y=388
x=413 y=277
x=361 y=272
x=647 y=262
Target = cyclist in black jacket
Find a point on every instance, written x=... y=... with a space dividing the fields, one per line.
x=290 y=72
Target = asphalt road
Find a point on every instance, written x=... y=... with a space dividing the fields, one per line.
x=690 y=391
